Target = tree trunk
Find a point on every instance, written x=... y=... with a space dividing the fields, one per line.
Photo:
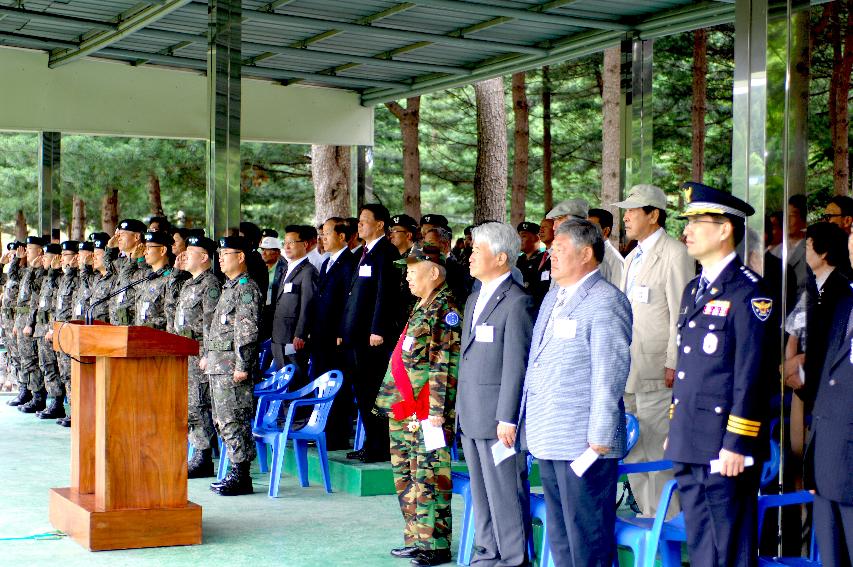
x=839 y=91
x=330 y=172
x=21 y=226
x=409 y=118
x=154 y=195
x=610 y=134
x=521 y=142
x=700 y=89
x=78 y=218
x=491 y=171
x=798 y=147
x=547 y=188
x=109 y=211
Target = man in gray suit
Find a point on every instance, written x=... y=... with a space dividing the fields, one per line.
x=572 y=406
x=496 y=334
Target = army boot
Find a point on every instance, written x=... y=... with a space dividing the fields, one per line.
x=201 y=465
x=38 y=402
x=55 y=409
x=64 y=422
x=238 y=481
x=23 y=397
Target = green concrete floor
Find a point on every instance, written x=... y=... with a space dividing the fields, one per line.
x=303 y=527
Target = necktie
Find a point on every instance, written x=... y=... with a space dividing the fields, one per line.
x=562 y=296
x=543 y=260
x=703 y=287
x=363 y=254
x=634 y=268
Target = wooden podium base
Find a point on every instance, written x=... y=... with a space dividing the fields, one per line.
x=75 y=515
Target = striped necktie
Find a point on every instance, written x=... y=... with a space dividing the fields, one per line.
x=700 y=291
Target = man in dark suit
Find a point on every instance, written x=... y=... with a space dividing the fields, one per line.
x=496 y=333
x=292 y=304
x=333 y=285
x=370 y=324
x=254 y=262
x=276 y=268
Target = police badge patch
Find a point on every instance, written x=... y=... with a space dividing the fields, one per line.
x=762 y=306
x=452 y=318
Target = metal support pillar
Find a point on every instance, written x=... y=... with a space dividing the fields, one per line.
x=49 y=159
x=363 y=175
x=223 y=100
x=636 y=113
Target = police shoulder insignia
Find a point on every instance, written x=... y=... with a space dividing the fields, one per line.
x=452 y=318
x=762 y=306
x=749 y=274
x=243 y=281
x=246 y=298
x=213 y=293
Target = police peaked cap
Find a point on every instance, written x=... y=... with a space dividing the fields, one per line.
x=434 y=220
x=52 y=248
x=704 y=200
x=158 y=237
x=133 y=225
x=88 y=246
x=70 y=245
x=527 y=226
x=405 y=221
x=204 y=242
x=235 y=243
x=37 y=240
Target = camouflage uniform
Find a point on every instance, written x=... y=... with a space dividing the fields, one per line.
x=99 y=288
x=64 y=311
x=232 y=345
x=123 y=306
x=193 y=318
x=25 y=316
x=155 y=300
x=421 y=477
x=83 y=291
x=49 y=377
x=7 y=310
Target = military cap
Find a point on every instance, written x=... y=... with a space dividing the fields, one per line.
x=434 y=220
x=704 y=200
x=570 y=207
x=99 y=236
x=643 y=196
x=235 y=243
x=52 y=248
x=14 y=245
x=204 y=242
x=427 y=252
x=158 y=237
x=405 y=221
x=70 y=245
x=195 y=232
x=37 y=240
x=88 y=246
x=467 y=230
x=133 y=225
x=269 y=232
x=527 y=226
x=101 y=243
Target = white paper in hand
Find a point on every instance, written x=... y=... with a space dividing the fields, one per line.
x=501 y=452
x=433 y=436
x=716 y=465
x=582 y=463
x=289 y=350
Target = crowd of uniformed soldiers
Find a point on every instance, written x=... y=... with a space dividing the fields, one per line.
x=380 y=298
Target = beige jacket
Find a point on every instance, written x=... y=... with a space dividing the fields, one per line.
x=655 y=301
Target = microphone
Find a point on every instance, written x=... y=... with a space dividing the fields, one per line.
x=90 y=312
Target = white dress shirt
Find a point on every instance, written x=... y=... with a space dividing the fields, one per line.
x=487 y=290
x=334 y=257
x=292 y=266
x=316 y=258
x=713 y=273
x=643 y=247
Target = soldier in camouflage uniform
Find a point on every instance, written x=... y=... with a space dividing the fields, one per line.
x=25 y=319
x=129 y=267
x=193 y=317
x=155 y=300
x=421 y=385
x=102 y=284
x=230 y=354
x=63 y=307
x=15 y=258
x=85 y=279
x=48 y=379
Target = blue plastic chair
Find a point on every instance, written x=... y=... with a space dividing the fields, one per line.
x=647 y=536
x=267 y=431
x=767 y=501
x=538 y=510
x=276 y=382
x=632 y=430
x=770 y=469
x=358 y=442
x=265 y=356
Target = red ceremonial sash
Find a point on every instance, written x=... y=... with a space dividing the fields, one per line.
x=410 y=405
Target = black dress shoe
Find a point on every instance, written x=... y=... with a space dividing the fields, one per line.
x=431 y=557
x=405 y=552
x=64 y=422
x=355 y=455
x=368 y=459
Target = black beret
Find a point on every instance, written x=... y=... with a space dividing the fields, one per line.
x=14 y=245
x=37 y=240
x=269 y=232
x=704 y=200
x=235 y=243
x=70 y=245
x=52 y=248
x=133 y=225
x=99 y=236
x=527 y=226
x=405 y=221
x=195 y=232
x=101 y=243
x=202 y=242
x=158 y=237
x=89 y=246
x=434 y=220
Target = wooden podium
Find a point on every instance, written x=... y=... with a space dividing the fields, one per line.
x=128 y=439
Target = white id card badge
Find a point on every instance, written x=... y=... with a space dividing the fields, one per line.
x=179 y=318
x=288 y=287
x=59 y=304
x=78 y=310
x=484 y=334
x=641 y=294
x=565 y=328
x=223 y=320
x=145 y=306
x=408 y=342
x=120 y=297
x=365 y=271
x=545 y=276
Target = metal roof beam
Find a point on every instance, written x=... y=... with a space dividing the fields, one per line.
x=125 y=27
x=528 y=15
x=285 y=75
x=57 y=19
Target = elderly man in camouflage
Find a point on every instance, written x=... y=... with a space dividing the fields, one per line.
x=129 y=267
x=194 y=315
x=421 y=385
x=25 y=314
x=15 y=257
x=155 y=300
x=230 y=352
x=48 y=380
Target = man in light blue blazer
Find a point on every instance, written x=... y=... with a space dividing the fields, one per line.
x=572 y=400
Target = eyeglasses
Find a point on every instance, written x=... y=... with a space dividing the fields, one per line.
x=692 y=222
x=228 y=253
x=398 y=231
x=292 y=242
x=829 y=216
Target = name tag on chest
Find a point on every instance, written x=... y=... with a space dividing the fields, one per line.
x=59 y=304
x=120 y=297
x=288 y=287
x=179 y=318
x=565 y=328
x=79 y=309
x=545 y=276
x=365 y=271
x=223 y=319
x=145 y=306
x=408 y=342
x=484 y=334
x=641 y=294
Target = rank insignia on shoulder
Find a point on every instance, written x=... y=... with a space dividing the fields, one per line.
x=246 y=298
x=762 y=306
x=452 y=318
x=243 y=281
x=717 y=307
x=213 y=293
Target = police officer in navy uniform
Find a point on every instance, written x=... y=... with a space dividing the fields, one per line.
x=721 y=392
